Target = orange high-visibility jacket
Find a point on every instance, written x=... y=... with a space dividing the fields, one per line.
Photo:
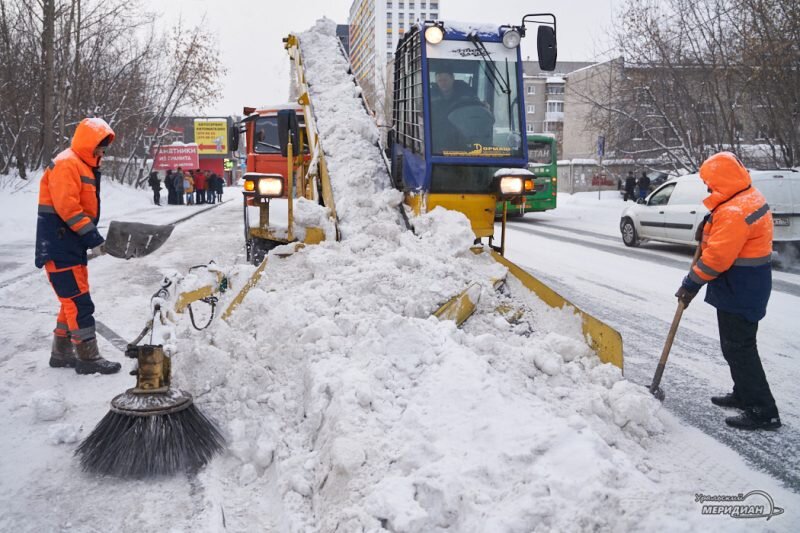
x=737 y=241
x=69 y=199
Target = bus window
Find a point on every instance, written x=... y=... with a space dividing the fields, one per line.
x=539 y=153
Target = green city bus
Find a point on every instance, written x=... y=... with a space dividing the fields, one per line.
x=543 y=188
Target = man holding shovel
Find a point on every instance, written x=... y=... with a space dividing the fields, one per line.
x=736 y=250
x=69 y=208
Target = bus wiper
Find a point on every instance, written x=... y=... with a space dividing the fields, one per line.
x=491 y=69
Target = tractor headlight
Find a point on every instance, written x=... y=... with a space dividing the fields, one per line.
x=434 y=34
x=263 y=186
x=270 y=187
x=511 y=38
x=511 y=186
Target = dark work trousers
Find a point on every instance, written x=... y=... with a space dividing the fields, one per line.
x=157 y=197
x=737 y=338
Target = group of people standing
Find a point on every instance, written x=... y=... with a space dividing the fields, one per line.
x=630 y=186
x=189 y=187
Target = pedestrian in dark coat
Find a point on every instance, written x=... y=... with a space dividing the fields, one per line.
x=170 y=186
x=155 y=184
x=644 y=186
x=630 y=186
x=177 y=179
x=736 y=245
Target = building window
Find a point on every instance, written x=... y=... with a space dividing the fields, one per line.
x=531 y=108
x=555 y=89
x=422 y=16
x=422 y=5
x=401 y=5
x=402 y=25
x=411 y=5
x=434 y=5
x=555 y=107
x=434 y=16
x=389 y=25
x=388 y=4
x=531 y=89
x=529 y=127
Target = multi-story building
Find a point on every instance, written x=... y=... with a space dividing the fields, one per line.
x=544 y=96
x=375 y=28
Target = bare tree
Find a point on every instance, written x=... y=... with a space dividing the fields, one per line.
x=63 y=60
x=700 y=76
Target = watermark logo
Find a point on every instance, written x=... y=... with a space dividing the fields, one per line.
x=754 y=504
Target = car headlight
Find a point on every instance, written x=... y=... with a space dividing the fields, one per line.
x=511 y=39
x=511 y=186
x=434 y=34
x=270 y=187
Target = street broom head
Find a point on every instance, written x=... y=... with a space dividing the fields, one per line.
x=150 y=435
x=151 y=430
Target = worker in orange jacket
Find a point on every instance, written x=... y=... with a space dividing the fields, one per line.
x=69 y=208
x=736 y=244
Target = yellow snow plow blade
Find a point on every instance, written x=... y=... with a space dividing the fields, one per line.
x=602 y=338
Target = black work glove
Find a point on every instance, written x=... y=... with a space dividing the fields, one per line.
x=685 y=296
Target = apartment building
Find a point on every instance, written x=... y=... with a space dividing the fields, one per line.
x=375 y=28
x=545 y=96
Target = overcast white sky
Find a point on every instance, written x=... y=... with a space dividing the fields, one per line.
x=249 y=34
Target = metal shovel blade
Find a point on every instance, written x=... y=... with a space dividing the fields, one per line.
x=134 y=239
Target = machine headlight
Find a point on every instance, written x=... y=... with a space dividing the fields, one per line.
x=511 y=186
x=434 y=34
x=270 y=187
x=249 y=185
x=511 y=38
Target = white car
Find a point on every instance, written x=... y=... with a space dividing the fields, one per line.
x=672 y=212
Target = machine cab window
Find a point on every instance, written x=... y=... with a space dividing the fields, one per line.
x=474 y=104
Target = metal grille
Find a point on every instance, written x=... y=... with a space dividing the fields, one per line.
x=407 y=109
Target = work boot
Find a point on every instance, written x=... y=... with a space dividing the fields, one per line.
x=754 y=419
x=62 y=354
x=90 y=361
x=728 y=400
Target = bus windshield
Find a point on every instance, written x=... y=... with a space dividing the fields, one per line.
x=474 y=107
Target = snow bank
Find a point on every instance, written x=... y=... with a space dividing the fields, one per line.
x=344 y=399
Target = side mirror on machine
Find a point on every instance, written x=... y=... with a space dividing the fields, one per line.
x=287 y=125
x=233 y=137
x=545 y=38
x=546 y=48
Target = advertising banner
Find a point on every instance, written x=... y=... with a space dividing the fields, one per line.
x=173 y=156
x=211 y=136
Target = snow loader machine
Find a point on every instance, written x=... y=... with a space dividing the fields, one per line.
x=457 y=141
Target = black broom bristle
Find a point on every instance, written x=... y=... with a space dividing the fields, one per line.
x=146 y=446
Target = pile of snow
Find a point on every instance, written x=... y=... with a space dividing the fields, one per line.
x=356 y=410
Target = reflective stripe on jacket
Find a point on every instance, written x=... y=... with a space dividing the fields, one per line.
x=69 y=199
x=737 y=241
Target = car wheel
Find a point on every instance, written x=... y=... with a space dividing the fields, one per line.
x=629 y=236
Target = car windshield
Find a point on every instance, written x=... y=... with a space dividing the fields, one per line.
x=474 y=105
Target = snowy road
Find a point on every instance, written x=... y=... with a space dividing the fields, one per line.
x=576 y=251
